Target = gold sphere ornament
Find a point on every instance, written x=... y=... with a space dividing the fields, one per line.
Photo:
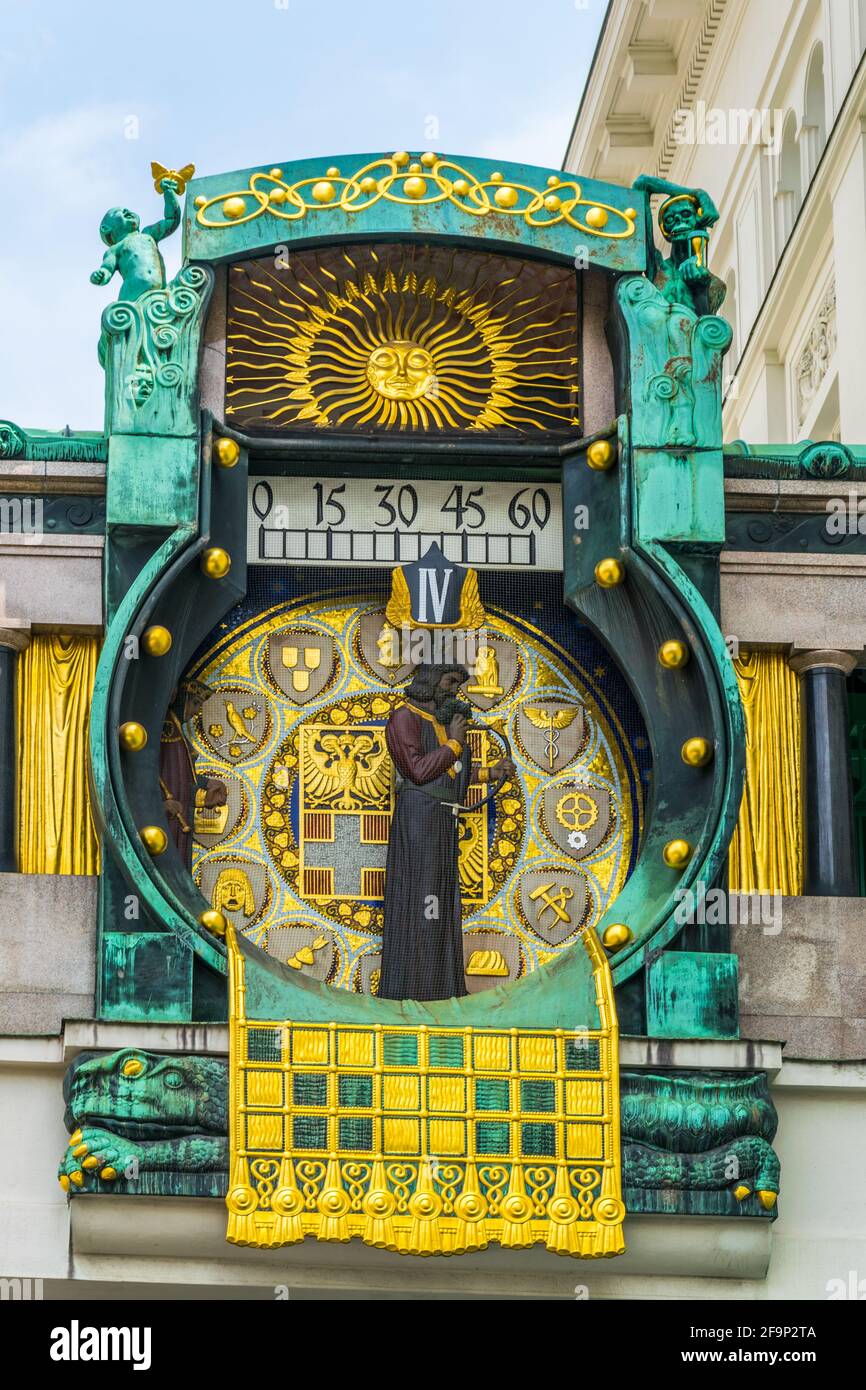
x=216 y=563
x=323 y=191
x=227 y=452
x=154 y=838
x=600 y=455
x=234 y=208
x=677 y=853
x=461 y=188
x=428 y=158
x=616 y=936
x=333 y=172
x=401 y=158
x=200 y=200
x=505 y=197
x=697 y=752
x=133 y=736
x=630 y=212
x=414 y=168
x=553 y=180
x=276 y=173
x=156 y=640
x=277 y=195
x=414 y=187
x=496 y=177
x=596 y=218
x=609 y=572
x=368 y=185
x=552 y=202
x=673 y=655
x=214 y=921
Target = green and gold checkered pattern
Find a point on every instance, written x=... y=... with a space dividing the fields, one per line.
x=423 y=1139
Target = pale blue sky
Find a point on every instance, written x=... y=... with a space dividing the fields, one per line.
x=226 y=85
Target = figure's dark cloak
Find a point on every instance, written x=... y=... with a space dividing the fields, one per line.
x=422 y=954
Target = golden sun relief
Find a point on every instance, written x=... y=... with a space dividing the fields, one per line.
x=402 y=337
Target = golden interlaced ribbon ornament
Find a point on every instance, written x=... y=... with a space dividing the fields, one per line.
x=430 y=179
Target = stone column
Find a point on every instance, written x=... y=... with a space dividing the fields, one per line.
x=828 y=818
x=13 y=639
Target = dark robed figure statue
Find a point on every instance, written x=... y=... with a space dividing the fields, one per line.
x=422 y=947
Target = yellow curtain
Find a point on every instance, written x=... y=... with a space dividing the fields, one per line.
x=55 y=827
x=766 y=854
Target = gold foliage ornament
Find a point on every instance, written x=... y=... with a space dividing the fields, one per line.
x=402 y=337
x=431 y=179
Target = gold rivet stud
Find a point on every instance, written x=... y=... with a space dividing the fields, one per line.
x=154 y=838
x=461 y=187
x=616 y=936
x=234 y=208
x=630 y=212
x=609 y=572
x=553 y=202
x=505 y=197
x=226 y=452
x=414 y=187
x=276 y=173
x=214 y=921
x=673 y=655
x=133 y=736
x=401 y=158
x=697 y=752
x=200 y=200
x=368 y=185
x=596 y=218
x=677 y=853
x=333 y=172
x=600 y=455
x=323 y=191
x=216 y=562
x=553 y=180
x=428 y=158
x=496 y=177
x=156 y=640
x=277 y=195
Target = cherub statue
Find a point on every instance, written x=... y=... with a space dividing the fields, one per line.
x=685 y=218
x=132 y=250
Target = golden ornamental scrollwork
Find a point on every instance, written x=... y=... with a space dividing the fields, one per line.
x=430 y=179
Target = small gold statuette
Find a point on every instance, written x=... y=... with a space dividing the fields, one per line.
x=388 y=644
x=486 y=672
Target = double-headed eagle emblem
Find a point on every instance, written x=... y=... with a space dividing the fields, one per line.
x=347 y=770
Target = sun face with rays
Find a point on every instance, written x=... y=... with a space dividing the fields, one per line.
x=403 y=337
